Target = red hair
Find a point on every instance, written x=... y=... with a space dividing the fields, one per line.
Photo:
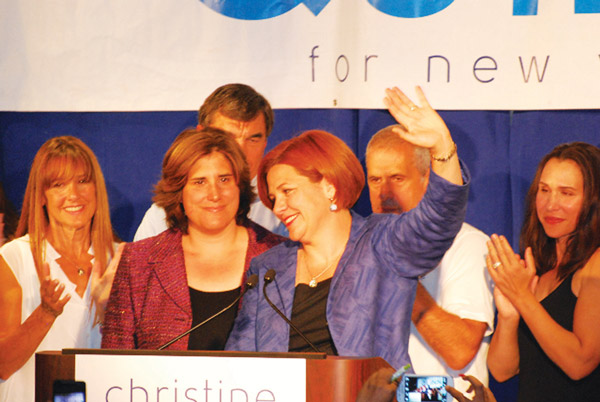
x=317 y=155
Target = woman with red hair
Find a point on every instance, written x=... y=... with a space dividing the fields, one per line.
x=348 y=282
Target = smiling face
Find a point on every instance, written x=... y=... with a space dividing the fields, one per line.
x=211 y=195
x=559 y=198
x=251 y=136
x=298 y=202
x=71 y=201
x=395 y=184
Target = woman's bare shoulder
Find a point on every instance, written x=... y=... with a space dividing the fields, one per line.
x=588 y=275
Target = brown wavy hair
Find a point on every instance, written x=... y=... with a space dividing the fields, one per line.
x=238 y=102
x=62 y=157
x=585 y=239
x=316 y=154
x=185 y=151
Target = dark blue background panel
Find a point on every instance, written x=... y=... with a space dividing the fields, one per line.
x=500 y=149
x=534 y=134
x=130 y=148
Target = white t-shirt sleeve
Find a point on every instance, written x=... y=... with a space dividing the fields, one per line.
x=153 y=223
x=465 y=287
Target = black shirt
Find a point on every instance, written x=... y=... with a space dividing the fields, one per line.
x=212 y=335
x=308 y=315
x=539 y=378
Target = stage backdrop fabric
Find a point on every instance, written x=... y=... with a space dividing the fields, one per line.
x=501 y=149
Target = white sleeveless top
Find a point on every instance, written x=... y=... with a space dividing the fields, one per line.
x=72 y=329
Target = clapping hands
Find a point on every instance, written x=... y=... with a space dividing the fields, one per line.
x=51 y=291
x=102 y=283
x=515 y=278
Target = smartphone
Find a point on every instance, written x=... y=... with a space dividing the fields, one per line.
x=68 y=391
x=417 y=388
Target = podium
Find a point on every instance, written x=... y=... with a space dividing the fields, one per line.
x=211 y=376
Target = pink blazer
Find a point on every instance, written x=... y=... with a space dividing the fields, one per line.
x=149 y=301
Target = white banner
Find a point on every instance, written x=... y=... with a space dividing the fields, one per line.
x=115 y=55
x=114 y=378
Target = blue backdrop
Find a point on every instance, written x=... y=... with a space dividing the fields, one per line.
x=500 y=148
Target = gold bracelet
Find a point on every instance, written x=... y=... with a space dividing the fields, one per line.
x=445 y=158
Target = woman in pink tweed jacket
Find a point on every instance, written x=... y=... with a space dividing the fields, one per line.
x=166 y=284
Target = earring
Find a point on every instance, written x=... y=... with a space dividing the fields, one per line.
x=333 y=206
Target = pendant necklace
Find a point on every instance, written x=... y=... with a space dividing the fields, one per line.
x=80 y=270
x=313 y=281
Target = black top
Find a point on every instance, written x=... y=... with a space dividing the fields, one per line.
x=541 y=379
x=308 y=315
x=212 y=335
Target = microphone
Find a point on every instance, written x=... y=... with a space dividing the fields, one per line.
x=250 y=283
x=270 y=277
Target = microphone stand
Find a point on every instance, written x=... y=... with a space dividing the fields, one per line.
x=250 y=283
x=270 y=277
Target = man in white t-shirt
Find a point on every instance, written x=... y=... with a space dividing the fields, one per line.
x=453 y=314
x=247 y=115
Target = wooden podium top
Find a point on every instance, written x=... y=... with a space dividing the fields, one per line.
x=328 y=378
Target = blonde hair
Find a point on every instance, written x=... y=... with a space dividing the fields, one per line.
x=61 y=157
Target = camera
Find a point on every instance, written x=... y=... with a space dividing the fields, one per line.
x=417 y=388
x=68 y=391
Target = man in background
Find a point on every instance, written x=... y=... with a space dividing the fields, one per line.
x=244 y=113
x=453 y=314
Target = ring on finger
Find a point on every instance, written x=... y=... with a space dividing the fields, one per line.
x=496 y=264
x=413 y=108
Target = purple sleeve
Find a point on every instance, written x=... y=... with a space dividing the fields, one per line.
x=118 y=329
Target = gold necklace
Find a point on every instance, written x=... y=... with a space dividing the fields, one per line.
x=313 y=282
x=80 y=270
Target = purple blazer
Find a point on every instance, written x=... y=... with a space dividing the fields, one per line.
x=149 y=301
x=373 y=288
